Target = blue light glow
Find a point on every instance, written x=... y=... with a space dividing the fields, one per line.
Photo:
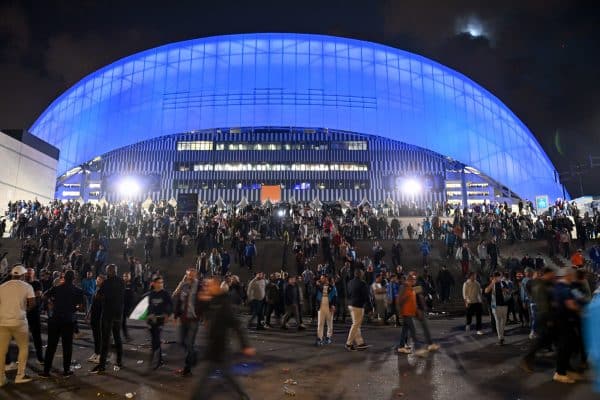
x=295 y=80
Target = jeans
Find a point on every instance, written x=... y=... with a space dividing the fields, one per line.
x=187 y=337
x=291 y=311
x=566 y=342
x=107 y=327
x=500 y=314
x=21 y=335
x=408 y=328
x=35 y=328
x=355 y=336
x=474 y=308
x=64 y=331
x=257 y=311
x=97 y=335
x=270 y=309
x=155 y=329
x=533 y=316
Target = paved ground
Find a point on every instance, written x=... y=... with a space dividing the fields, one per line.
x=467 y=367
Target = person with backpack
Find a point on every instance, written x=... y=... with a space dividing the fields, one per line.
x=500 y=296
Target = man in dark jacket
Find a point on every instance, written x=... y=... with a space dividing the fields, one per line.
x=292 y=304
x=220 y=320
x=445 y=281
x=112 y=297
x=272 y=298
x=65 y=299
x=187 y=309
x=160 y=308
x=358 y=297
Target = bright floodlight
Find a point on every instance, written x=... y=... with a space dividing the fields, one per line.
x=411 y=186
x=474 y=29
x=129 y=187
x=281 y=213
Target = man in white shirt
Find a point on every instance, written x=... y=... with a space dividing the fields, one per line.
x=16 y=297
x=379 y=295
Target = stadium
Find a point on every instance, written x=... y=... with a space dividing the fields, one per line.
x=284 y=116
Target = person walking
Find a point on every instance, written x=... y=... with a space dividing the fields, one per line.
x=358 y=297
x=271 y=299
x=407 y=304
x=94 y=317
x=220 y=322
x=128 y=303
x=256 y=297
x=482 y=254
x=160 y=308
x=327 y=301
x=542 y=297
x=16 y=297
x=291 y=296
x=187 y=310
x=500 y=295
x=567 y=310
x=65 y=298
x=471 y=292
x=112 y=294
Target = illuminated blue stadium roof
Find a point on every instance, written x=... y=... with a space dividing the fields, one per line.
x=280 y=79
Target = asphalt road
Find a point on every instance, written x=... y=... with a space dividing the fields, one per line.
x=466 y=367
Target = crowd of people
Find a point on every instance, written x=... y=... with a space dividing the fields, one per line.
x=64 y=270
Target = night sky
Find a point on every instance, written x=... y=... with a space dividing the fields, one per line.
x=540 y=57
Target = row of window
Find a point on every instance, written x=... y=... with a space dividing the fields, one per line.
x=184 y=167
x=200 y=145
x=284 y=184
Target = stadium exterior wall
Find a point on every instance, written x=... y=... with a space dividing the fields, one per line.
x=296 y=80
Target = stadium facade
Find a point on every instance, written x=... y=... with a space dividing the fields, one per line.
x=316 y=116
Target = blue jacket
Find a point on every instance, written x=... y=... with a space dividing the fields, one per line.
x=392 y=290
x=332 y=295
x=88 y=286
x=425 y=249
x=595 y=255
x=250 y=250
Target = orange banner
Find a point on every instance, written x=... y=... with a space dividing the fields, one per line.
x=271 y=192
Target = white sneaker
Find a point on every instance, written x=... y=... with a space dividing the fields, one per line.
x=479 y=333
x=532 y=335
x=11 y=367
x=94 y=358
x=23 y=379
x=562 y=378
x=433 y=347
